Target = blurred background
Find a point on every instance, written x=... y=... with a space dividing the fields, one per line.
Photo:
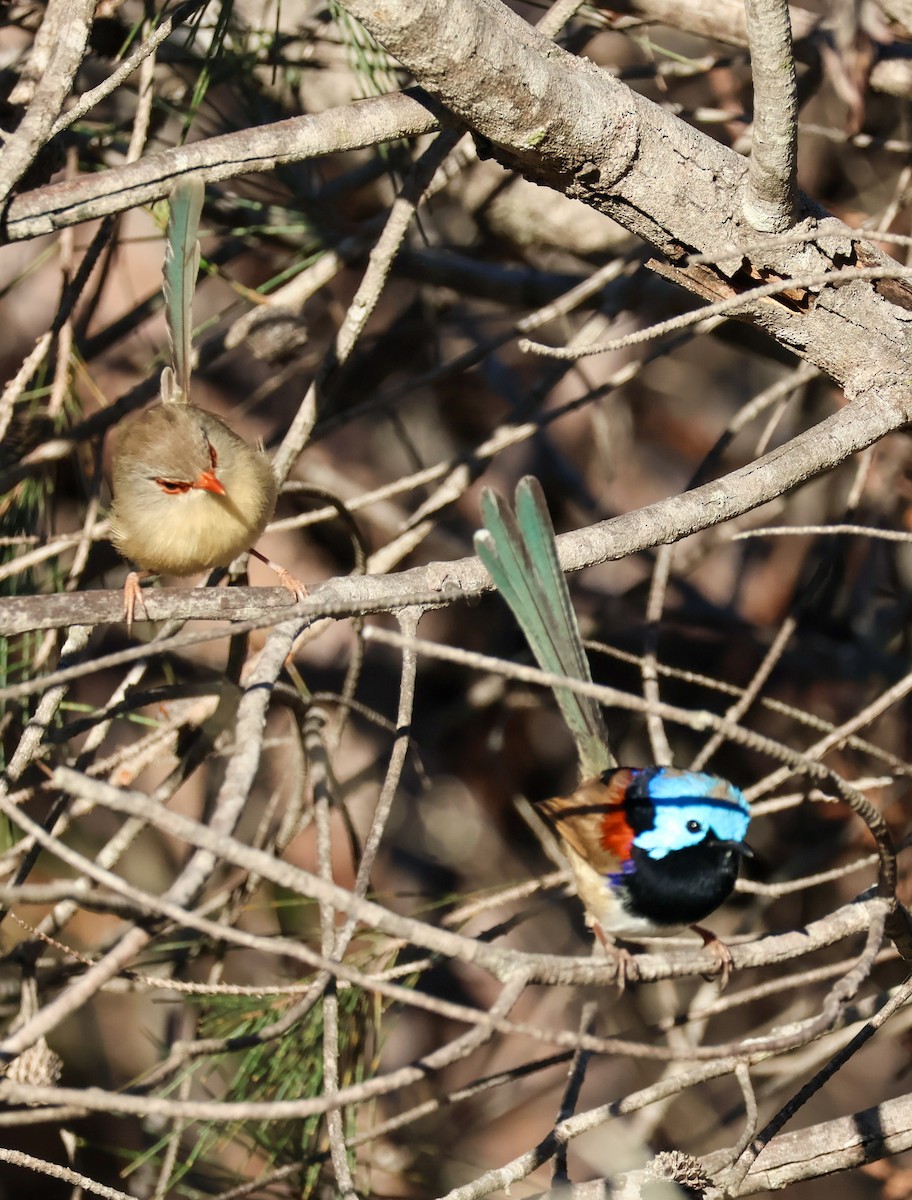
x=435 y=401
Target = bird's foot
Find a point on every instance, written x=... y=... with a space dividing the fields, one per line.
x=625 y=966
x=133 y=595
x=286 y=579
x=720 y=952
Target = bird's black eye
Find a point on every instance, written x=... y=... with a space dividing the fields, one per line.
x=173 y=487
x=694 y=827
x=213 y=457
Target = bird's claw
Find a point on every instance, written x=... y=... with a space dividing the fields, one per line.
x=625 y=964
x=626 y=969
x=720 y=952
x=132 y=594
x=288 y=581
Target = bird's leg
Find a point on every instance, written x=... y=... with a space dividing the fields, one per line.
x=286 y=579
x=720 y=952
x=133 y=592
x=624 y=959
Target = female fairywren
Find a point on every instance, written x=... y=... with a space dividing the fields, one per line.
x=653 y=849
x=189 y=494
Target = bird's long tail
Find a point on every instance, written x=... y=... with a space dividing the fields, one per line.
x=182 y=258
x=520 y=554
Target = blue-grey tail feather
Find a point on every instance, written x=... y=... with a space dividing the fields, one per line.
x=520 y=555
x=182 y=258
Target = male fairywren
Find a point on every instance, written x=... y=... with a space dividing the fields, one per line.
x=653 y=849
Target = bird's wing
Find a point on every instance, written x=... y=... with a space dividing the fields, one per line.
x=182 y=258
x=592 y=821
x=520 y=555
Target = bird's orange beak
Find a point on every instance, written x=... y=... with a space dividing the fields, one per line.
x=207 y=482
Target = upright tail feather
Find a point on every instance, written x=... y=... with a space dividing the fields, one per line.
x=182 y=258
x=520 y=555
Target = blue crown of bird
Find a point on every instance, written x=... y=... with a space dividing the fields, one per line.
x=653 y=849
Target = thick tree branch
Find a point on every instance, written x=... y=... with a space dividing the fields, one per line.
x=562 y=122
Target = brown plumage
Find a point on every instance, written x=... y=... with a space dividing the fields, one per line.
x=597 y=840
x=189 y=494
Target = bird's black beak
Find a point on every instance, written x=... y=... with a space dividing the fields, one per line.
x=741 y=848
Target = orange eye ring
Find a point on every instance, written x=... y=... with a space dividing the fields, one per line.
x=173 y=487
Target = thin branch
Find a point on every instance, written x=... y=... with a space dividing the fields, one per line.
x=750 y=1156
x=365 y=300
x=145 y=50
x=41 y=1166
x=845 y=922
x=738 y=303
x=348 y=127
x=887 y=406
x=70 y=22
